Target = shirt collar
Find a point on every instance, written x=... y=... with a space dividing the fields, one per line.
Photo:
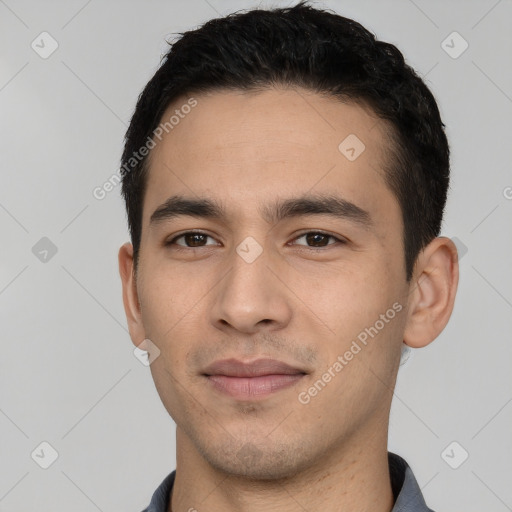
x=406 y=491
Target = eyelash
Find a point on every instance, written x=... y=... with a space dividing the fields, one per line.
x=181 y=247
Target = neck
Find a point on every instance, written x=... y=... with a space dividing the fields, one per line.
x=351 y=477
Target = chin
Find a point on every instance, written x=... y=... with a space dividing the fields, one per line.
x=254 y=461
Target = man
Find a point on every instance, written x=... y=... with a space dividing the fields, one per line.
x=285 y=176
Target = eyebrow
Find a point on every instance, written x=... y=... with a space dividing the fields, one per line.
x=331 y=205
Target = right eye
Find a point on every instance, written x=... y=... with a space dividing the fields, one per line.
x=191 y=239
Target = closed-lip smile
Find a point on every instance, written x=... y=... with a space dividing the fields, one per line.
x=251 y=380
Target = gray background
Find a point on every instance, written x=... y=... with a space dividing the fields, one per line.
x=68 y=375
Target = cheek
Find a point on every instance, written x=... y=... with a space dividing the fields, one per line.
x=363 y=306
x=166 y=295
x=173 y=305
x=158 y=306
x=348 y=298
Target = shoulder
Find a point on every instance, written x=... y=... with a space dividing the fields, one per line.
x=160 y=499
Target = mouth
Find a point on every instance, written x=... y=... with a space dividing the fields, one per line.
x=253 y=380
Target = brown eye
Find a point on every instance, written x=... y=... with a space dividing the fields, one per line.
x=191 y=239
x=318 y=239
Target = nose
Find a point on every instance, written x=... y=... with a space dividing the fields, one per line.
x=251 y=297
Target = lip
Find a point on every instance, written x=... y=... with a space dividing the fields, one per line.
x=257 y=368
x=252 y=380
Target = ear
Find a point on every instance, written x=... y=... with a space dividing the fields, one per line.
x=130 y=296
x=432 y=292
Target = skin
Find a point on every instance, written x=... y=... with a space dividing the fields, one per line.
x=292 y=303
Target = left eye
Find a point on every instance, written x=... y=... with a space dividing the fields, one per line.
x=319 y=238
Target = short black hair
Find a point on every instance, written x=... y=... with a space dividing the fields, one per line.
x=321 y=51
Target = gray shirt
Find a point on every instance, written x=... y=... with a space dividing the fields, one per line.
x=408 y=497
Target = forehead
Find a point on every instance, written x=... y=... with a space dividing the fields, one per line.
x=245 y=147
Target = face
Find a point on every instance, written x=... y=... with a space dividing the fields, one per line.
x=319 y=286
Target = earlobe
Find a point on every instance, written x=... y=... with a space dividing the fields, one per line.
x=432 y=292
x=130 y=296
